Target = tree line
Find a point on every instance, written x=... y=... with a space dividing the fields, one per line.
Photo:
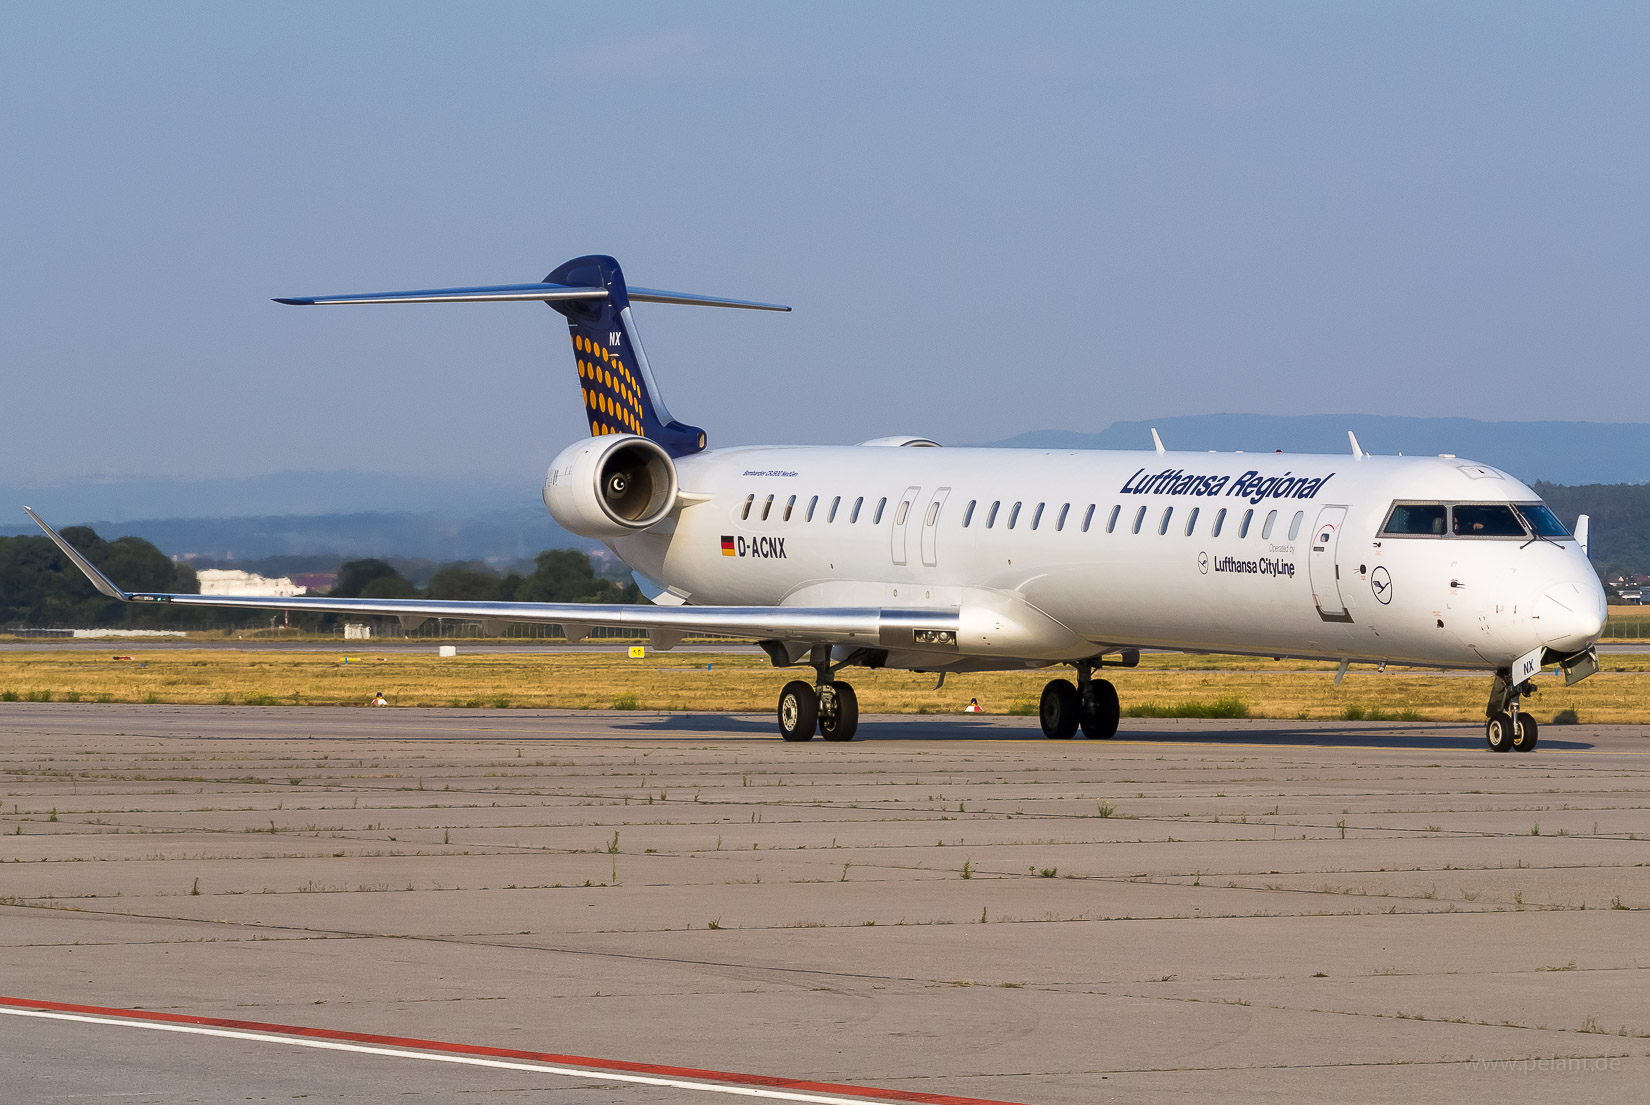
x=1620 y=512
x=39 y=587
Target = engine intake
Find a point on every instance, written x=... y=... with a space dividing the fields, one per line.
x=610 y=486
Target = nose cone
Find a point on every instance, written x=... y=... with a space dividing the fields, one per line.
x=1571 y=615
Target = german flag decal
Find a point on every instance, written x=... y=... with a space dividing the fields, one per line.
x=727 y=547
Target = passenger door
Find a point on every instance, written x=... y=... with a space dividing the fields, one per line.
x=1322 y=567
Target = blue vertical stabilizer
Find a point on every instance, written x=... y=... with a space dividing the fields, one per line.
x=620 y=396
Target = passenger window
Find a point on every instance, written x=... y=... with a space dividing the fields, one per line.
x=767 y=505
x=744 y=515
x=899 y=515
x=1088 y=516
x=1139 y=516
x=1415 y=520
x=933 y=513
x=991 y=515
x=1191 y=521
x=836 y=501
x=1295 y=524
x=876 y=519
x=1248 y=516
x=1163 y=526
x=853 y=515
x=813 y=502
x=789 y=505
x=968 y=515
x=1060 y=522
x=1487 y=521
x=1542 y=521
x=1220 y=520
x=1266 y=530
x=1037 y=516
x=1013 y=515
x=1111 y=522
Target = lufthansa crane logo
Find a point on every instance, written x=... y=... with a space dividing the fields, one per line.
x=1380 y=582
x=1203 y=562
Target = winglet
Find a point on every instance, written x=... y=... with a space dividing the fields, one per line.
x=99 y=580
x=1357 y=450
x=1157 y=441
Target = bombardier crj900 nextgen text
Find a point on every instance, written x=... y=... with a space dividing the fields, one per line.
x=898 y=554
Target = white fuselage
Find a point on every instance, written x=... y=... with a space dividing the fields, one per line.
x=1066 y=554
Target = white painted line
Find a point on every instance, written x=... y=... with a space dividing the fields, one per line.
x=465 y=1060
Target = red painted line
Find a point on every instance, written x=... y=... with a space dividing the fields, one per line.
x=588 y=1062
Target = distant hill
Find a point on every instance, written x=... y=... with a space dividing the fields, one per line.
x=1557 y=452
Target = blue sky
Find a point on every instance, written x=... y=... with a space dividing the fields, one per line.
x=989 y=219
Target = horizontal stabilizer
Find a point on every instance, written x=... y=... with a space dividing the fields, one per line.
x=527 y=293
x=617 y=386
x=654 y=295
x=491 y=293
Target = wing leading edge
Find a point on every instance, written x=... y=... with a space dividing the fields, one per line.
x=860 y=627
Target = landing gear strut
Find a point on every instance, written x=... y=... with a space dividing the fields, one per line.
x=832 y=707
x=1508 y=729
x=1091 y=706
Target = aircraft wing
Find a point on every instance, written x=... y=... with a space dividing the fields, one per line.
x=861 y=627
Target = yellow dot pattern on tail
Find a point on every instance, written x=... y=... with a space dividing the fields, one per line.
x=612 y=397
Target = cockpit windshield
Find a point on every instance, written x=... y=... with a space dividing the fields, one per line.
x=1486 y=520
x=1505 y=520
x=1416 y=520
x=1543 y=523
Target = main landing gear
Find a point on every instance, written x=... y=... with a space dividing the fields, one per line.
x=1508 y=729
x=832 y=707
x=1091 y=706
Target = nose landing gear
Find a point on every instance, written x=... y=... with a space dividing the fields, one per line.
x=1508 y=729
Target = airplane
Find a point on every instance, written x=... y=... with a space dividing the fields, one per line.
x=900 y=553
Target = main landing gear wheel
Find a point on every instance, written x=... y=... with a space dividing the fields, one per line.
x=1100 y=711
x=798 y=711
x=1524 y=733
x=1059 y=710
x=838 y=712
x=1498 y=731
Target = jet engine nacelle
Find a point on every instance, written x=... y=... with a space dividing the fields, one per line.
x=610 y=486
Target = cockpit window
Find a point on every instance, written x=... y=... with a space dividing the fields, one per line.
x=1542 y=521
x=1487 y=520
x=1416 y=520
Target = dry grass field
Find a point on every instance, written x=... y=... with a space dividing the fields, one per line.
x=735 y=682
